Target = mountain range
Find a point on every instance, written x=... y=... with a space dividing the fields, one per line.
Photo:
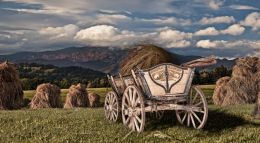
x=104 y=59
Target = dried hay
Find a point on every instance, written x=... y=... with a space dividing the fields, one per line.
x=77 y=96
x=145 y=56
x=242 y=87
x=94 y=99
x=220 y=91
x=257 y=106
x=47 y=96
x=11 y=92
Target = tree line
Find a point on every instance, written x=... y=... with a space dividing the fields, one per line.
x=32 y=75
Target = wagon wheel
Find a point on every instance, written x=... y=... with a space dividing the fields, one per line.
x=111 y=106
x=133 y=113
x=196 y=112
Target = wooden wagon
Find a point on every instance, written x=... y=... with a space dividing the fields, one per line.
x=162 y=87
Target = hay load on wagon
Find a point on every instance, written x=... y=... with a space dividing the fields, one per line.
x=144 y=57
x=47 y=96
x=77 y=96
x=242 y=87
x=11 y=92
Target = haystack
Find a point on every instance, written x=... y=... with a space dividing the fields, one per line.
x=220 y=91
x=47 y=96
x=77 y=96
x=145 y=56
x=93 y=99
x=242 y=87
x=11 y=92
x=257 y=106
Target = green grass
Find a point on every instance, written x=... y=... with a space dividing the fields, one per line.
x=225 y=124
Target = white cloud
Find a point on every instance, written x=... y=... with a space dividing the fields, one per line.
x=217 y=20
x=39 y=11
x=234 y=30
x=174 y=38
x=66 y=32
x=207 y=31
x=214 y=4
x=12 y=40
x=111 y=18
x=168 y=21
x=221 y=44
x=209 y=44
x=243 y=7
x=106 y=35
x=252 y=20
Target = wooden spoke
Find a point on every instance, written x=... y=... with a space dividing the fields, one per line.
x=195 y=97
x=111 y=106
x=192 y=120
x=133 y=114
x=195 y=115
x=188 y=120
x=196 y=111
x=197 y=104
x=184 y=117
x=137 y=127
x=138 y=119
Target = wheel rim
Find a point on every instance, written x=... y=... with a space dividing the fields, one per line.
x=133 y=114
x=197 y=112
x=111 y=106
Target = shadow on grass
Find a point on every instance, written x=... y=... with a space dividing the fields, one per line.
x=217 y=122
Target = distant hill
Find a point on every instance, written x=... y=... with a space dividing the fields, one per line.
x=104 y=59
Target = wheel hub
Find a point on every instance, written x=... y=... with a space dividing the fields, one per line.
x=131 y=111
x=109 y=107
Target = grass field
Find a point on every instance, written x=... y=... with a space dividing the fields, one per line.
x=225 y=124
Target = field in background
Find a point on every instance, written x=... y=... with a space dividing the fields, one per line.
x=225 y=124
x=207 y=89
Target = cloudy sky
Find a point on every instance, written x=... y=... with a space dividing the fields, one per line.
x=226 y=28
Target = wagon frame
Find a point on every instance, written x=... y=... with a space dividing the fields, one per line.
x=163 y=87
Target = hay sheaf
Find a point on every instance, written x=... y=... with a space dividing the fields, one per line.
x=145 y=56
x=11 y=92
x=77 y=96
x=47 y=96
x=94 y=99
x=242 y=87
x=220 y=91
